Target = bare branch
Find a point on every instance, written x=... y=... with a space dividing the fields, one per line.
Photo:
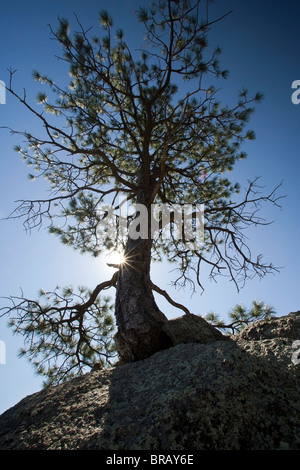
x=169 y=299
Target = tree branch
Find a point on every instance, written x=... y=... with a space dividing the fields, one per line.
x=168 y=298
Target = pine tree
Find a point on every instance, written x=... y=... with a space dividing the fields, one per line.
x=241 y=317
x=142 y=125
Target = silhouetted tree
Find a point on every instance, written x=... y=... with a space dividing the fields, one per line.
x=241 y=316
x=142 y=125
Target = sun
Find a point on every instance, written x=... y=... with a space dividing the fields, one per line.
x=115 y=258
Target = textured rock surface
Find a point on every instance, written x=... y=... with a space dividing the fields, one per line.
x=242 y=393
x=192 y=329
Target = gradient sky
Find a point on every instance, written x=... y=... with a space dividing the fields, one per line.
x=260 y=43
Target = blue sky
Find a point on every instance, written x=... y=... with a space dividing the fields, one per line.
x=260 y=43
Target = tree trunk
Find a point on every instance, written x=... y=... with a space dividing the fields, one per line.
x=138 y=318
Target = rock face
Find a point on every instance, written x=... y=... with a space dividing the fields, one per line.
x=192 y=329
x=240 y=394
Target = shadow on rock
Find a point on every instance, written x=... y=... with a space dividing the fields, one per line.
x=242 y=393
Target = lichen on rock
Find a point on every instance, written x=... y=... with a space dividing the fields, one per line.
x=242 y=393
